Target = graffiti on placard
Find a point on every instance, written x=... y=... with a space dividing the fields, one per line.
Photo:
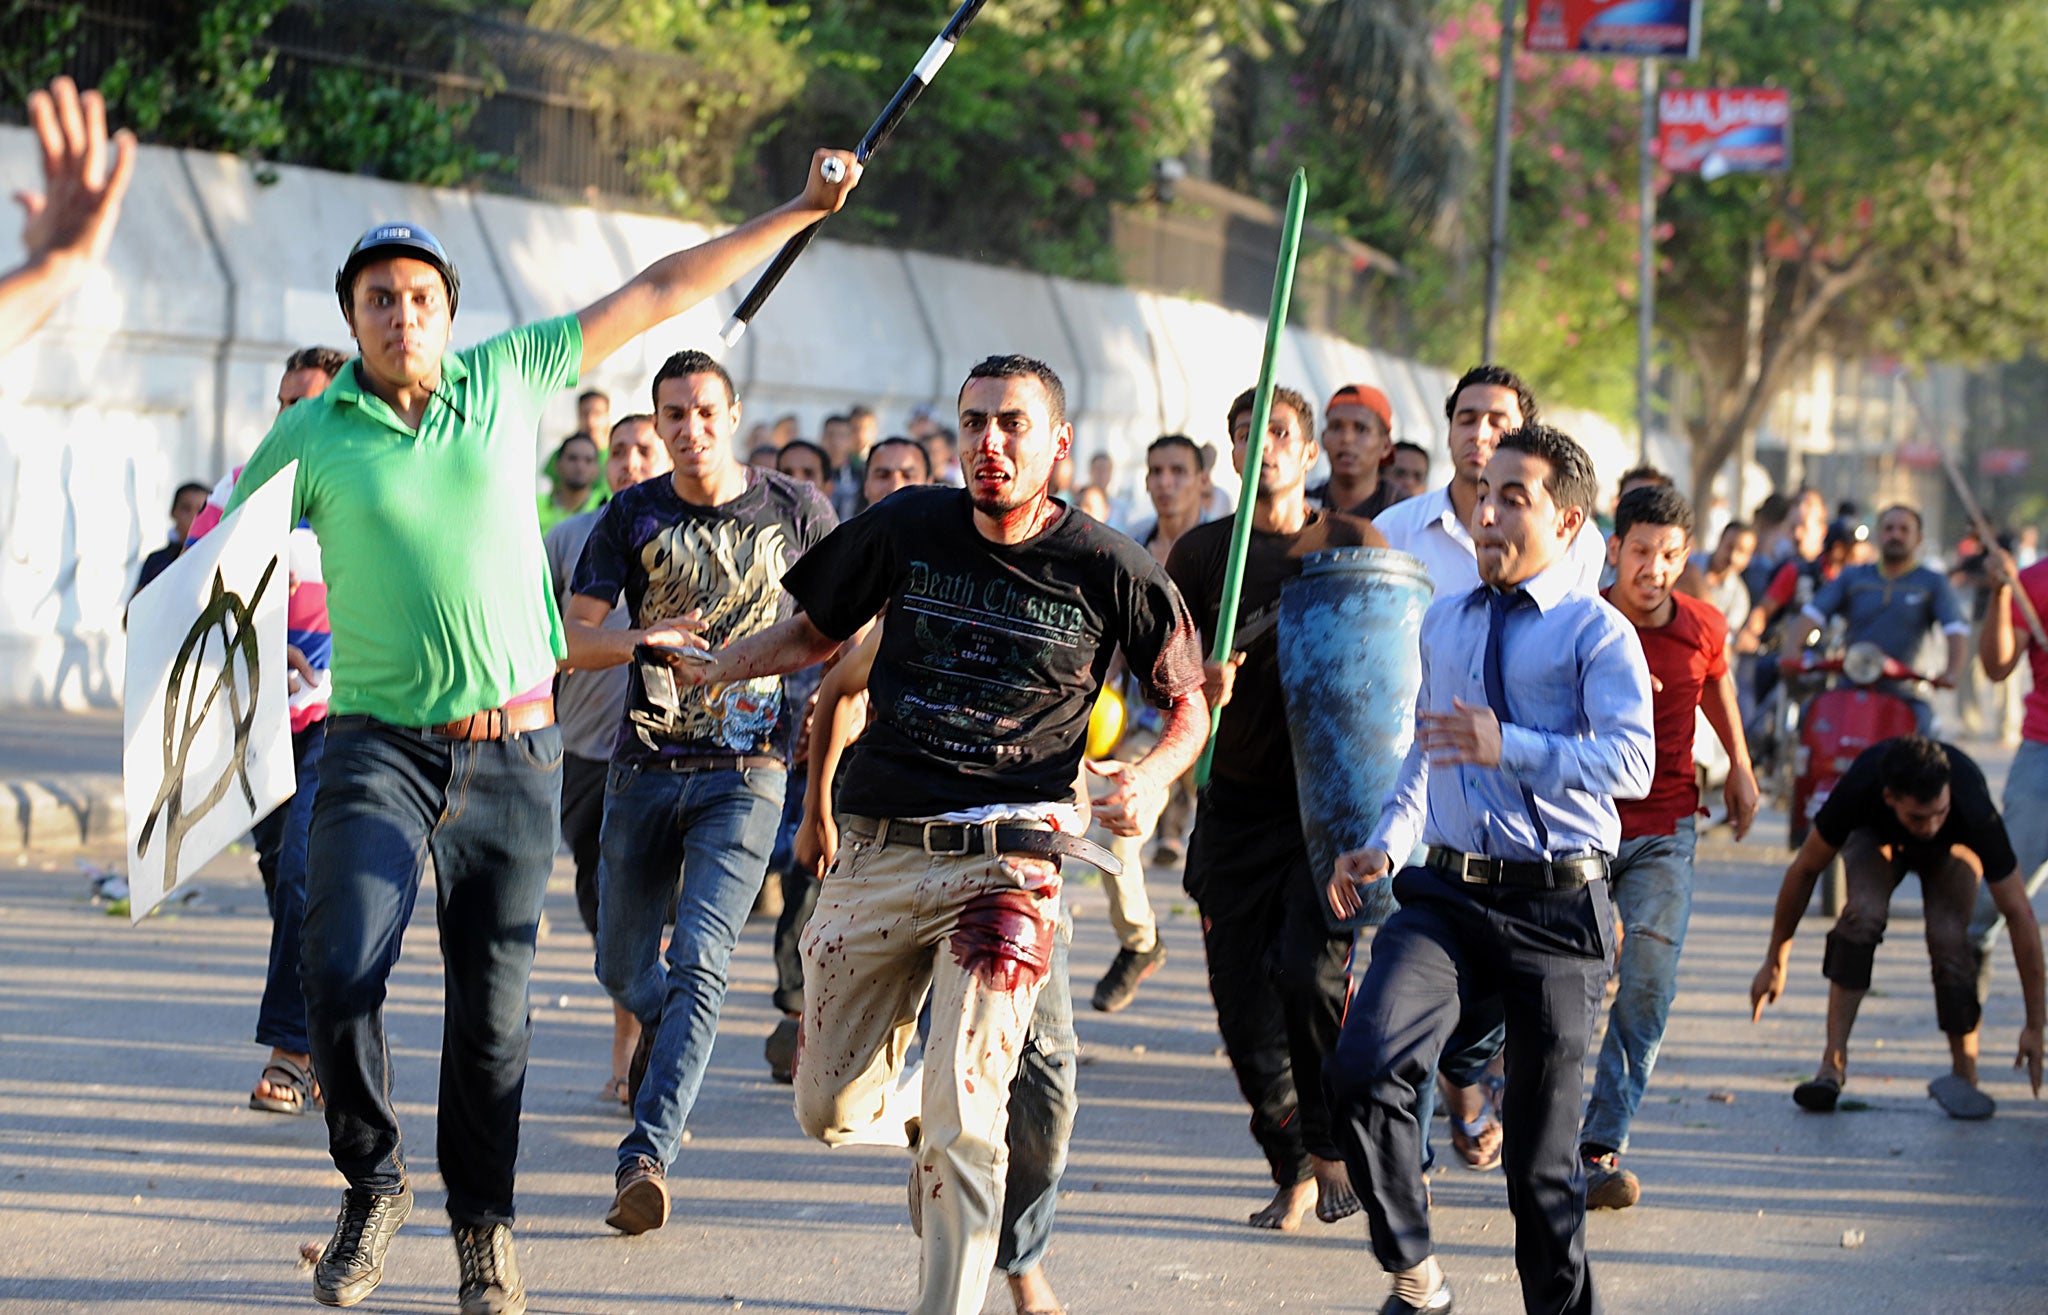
x=191 y=701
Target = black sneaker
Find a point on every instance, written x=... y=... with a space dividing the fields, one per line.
x=780 y=1050
x=353 y=1264
x=490 y=1270
x=1608 y=1185
x=1119 y=986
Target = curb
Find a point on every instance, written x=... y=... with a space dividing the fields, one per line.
x=58 y=814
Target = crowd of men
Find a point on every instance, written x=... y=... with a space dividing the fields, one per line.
x=927 y=629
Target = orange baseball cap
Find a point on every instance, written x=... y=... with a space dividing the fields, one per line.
x=1367 y=396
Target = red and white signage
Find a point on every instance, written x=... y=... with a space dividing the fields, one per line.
x=1712 y=131
x=1667 y=29
x=2002 y=462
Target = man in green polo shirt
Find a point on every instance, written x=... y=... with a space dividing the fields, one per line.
x=415 y=469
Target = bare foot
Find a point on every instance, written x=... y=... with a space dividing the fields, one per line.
x=1032 y=1295
x=1334 y=1198
x=1288 y=1206
x=625 y=1038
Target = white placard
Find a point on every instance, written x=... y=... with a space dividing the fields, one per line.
x=207 y=740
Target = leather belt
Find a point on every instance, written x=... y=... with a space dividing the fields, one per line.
x=715 y=762
x=1479 y=870
x=966 y=838
x=498 y=723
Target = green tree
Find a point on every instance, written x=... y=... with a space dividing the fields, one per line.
x=1568 y=290
x=1362 y=98
x=1053 y=112
x=684 y=124
x=352 y=123
x=1386 y=106
x=1911 y=218
x=212 y=94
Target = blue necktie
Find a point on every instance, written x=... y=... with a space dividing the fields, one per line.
x=1498 y=606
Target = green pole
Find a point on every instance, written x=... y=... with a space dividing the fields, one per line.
x=1255 y=447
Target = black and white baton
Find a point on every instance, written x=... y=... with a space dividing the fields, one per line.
x=928 y=66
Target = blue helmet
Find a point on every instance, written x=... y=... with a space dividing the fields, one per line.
x=387 y=241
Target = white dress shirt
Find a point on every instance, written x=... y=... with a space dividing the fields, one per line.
x=1427 y=526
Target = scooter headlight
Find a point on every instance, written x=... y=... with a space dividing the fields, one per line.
x=1863 y=664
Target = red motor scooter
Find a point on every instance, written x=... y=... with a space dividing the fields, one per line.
x=1839 y=723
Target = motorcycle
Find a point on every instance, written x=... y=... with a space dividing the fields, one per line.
x=1847 y=716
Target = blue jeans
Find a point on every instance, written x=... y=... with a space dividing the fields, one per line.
x=700 y=839
x=281 y=858
x=487 y=811
x=1042 y=1106
x=784 y=856
x=2026 y=824
x=799 y=897
x=1651 y=879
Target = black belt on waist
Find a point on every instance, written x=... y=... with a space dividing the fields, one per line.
x=1527 y=874
x=714 y=762
x=965 y=838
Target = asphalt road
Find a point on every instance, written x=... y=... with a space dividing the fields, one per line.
x=133 y=1178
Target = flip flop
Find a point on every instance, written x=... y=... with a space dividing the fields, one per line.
x=298 y=1086
x=1817 y=1096
x=1960 y=1099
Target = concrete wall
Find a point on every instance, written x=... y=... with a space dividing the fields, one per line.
x=165 y=367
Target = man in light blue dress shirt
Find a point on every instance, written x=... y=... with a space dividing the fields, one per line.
x=1534 y=715
x=1486 y=402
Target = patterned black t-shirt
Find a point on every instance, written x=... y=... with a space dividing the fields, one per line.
x=668 y=557
x=991 y=654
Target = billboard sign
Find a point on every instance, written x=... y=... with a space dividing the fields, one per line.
x=1715 y=131
x=1657 y=29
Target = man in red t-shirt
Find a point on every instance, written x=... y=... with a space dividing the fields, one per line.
x=2006 y=637
x=1685 y=641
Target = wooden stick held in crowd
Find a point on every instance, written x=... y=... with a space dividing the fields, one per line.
x=1985 y=530
x=1248 y=485
x=1989 y=534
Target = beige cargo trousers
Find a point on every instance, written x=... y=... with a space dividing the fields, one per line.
x=892 y=921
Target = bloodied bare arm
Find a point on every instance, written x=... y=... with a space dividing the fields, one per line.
x=1138 y=790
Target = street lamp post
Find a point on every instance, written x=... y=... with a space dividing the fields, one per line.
x=1503 y=125
x=1646 y=257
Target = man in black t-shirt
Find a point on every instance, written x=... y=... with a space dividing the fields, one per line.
x=1276 y=971
x=695 y=789
x=1909 y=805
x=1004 y=609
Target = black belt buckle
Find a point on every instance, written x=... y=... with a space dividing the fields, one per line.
x=1471 y=869
x=967 y=838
